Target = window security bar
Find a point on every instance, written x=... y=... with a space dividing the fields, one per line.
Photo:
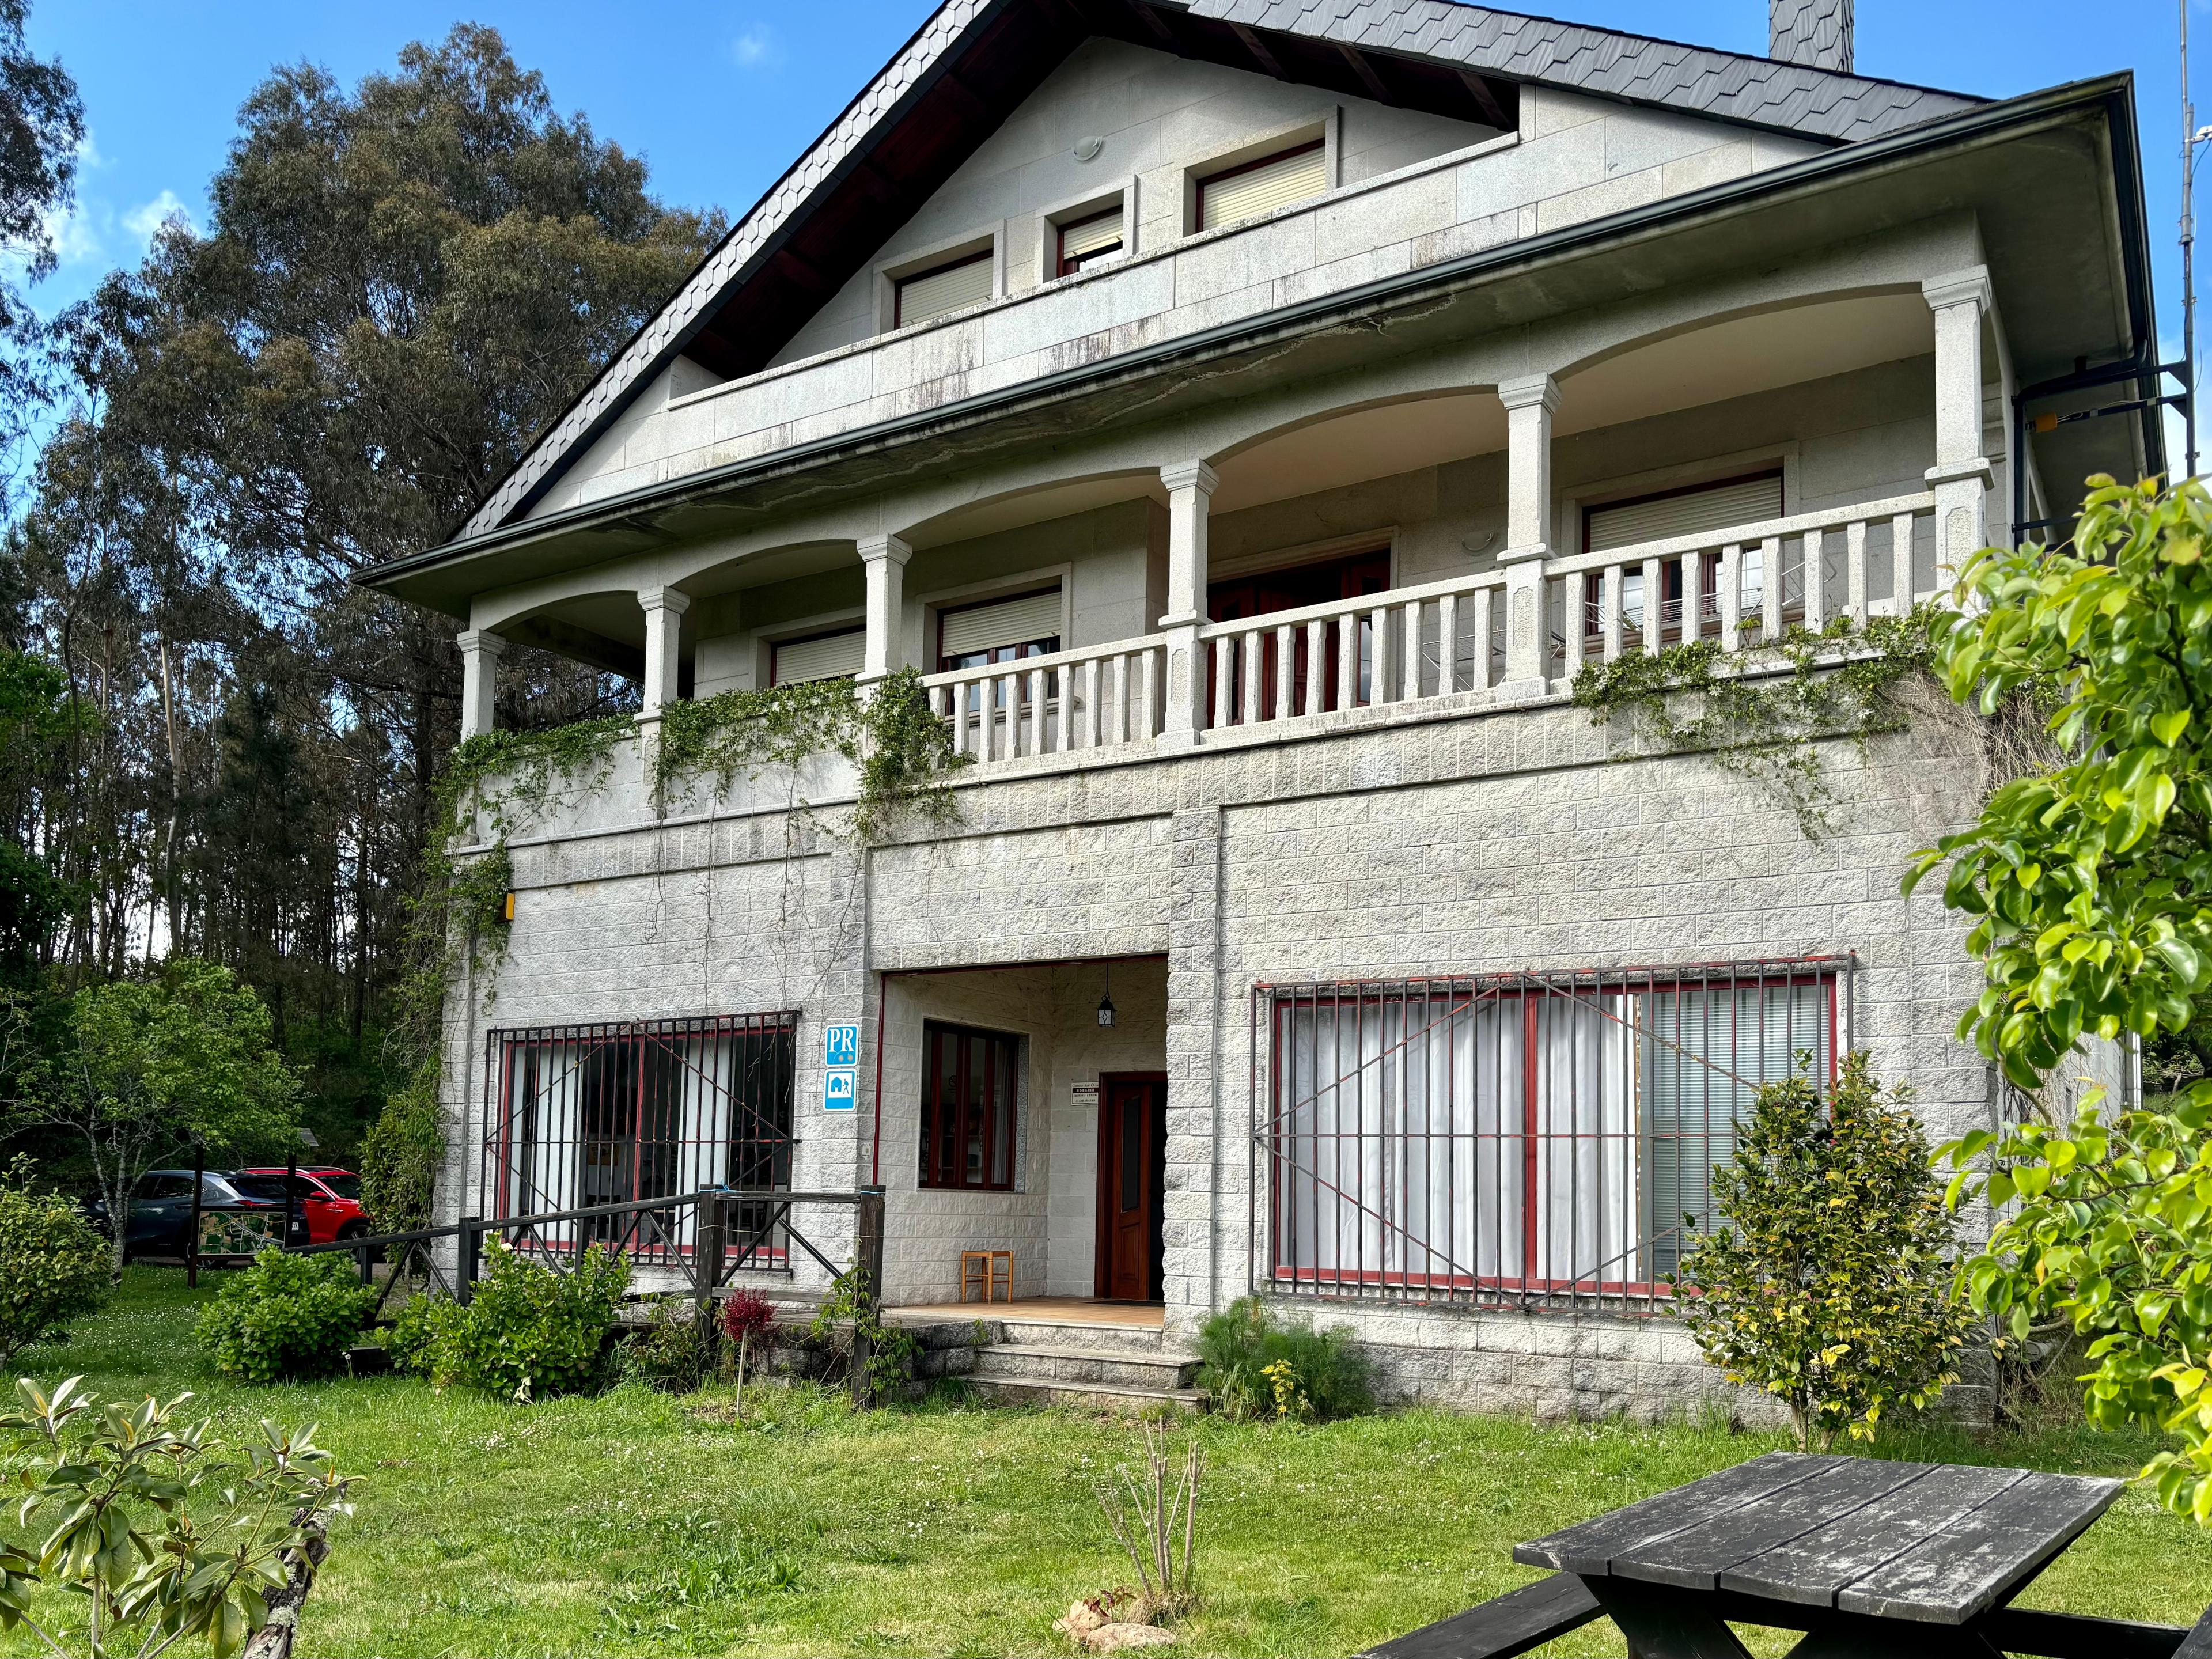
x=1526 y=1140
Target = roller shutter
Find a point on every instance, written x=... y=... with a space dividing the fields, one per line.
x=1005 y=621
x=1684 y=513
x=964 y=283
x=824 y=656
x=1261 y=186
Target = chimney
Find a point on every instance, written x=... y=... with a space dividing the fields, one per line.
x=1814 y=32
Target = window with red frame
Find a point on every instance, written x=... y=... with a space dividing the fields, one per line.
x=970 y=1087
x=1524 y=1134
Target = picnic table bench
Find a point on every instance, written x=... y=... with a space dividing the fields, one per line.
x=1865 y=1556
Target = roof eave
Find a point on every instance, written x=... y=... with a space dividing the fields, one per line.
x=2114 y=92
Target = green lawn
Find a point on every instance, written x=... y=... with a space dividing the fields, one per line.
x=636 y=1522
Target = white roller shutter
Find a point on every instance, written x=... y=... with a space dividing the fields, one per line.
x=824 y=656
x=1246 y=192
x=948 y=288
x=1685 y=512
x=1090 y=240
x=1009 y=622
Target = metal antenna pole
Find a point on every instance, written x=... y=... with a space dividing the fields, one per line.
x=2189 y=139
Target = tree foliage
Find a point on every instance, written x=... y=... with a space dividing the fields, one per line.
x=41 y=135
x=1828 y=1284
x=149 y=1065
x=2088 y=890
x=400 y=282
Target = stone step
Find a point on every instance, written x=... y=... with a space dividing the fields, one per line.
x=1061 y=1333
x=1092 y=1396
x=1037 y=1361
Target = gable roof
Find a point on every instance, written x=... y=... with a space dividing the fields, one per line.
x=966 y=69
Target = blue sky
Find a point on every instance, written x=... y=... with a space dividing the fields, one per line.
x=719 y=98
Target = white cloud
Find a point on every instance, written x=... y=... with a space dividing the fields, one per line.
x=756 y=47
x=143 y=221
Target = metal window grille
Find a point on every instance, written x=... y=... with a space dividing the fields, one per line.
x=1522 y=1139
x=614 y=1113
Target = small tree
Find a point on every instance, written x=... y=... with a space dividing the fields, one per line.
x=165 y=1533
x=1829 y=1284
x=53 y=1267
x=148 y=1065
x=2089 y=887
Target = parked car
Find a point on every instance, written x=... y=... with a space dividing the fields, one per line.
x=331 y=1198
x=162 y=1208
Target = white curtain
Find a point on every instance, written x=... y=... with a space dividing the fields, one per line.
x=1588 y=1217
x=703 y=1115
x=545 y=1119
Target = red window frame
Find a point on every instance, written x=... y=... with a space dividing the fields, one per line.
x=980 y=1114
x=1460 y=996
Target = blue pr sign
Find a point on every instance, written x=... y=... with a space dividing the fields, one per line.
x=841 y=1045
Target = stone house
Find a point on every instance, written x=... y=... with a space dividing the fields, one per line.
x=1249 y=416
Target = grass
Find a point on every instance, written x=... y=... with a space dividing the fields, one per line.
x=637 y=1523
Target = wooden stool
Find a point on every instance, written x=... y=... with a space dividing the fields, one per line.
x=981 y=1269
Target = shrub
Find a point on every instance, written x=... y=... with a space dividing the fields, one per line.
x=413 y=1332
x=53 y=1266
x=1257 y=1366
x=529 y=1331
x=892 y=1351
x=1829 y=1284
x=673 y=1353
x=286 y=1316
x=401 y=1153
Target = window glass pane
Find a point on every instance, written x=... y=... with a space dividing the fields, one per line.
x=1002 y=1114
x=1133 y=1172
x=978 y=1083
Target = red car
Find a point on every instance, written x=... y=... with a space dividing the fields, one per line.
x=330 y=1201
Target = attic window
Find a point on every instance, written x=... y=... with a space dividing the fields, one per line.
x=1261 y=186
x=932 y=294
x=1087 y=241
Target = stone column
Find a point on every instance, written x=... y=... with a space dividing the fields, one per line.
x=664 y=612
x=481 y=650
x=1528 y=403
x=1190 y=488
x=1961 y=477
x=885 y=652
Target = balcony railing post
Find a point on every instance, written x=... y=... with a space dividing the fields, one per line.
x=868 y=1264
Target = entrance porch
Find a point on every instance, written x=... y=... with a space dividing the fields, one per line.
x=1014 y=1120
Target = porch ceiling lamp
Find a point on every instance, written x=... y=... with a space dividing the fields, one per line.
x=1106 y=1002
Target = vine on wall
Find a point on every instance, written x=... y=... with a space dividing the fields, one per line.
x=1762 y=713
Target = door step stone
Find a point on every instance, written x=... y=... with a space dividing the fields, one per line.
x=1037 y=1362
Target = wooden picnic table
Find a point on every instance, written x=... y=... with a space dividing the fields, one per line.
x=1865 y=1556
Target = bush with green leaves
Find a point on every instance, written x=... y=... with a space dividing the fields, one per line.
x=286 y=1316
x=528 y=1332
x=848 y=1314
x=162 y=1531
x=2089 y=887
x=54 y=1267
x=674 y=1353
x=1257 y=1366
x=1828 y=1282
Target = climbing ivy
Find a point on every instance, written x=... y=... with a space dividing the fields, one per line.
x=1762 y=711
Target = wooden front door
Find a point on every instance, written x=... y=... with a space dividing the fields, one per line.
x=1133 y=1136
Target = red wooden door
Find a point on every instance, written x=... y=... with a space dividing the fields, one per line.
x=1132 y=1178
